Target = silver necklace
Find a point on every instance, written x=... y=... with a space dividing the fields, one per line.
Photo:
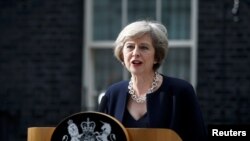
x=142 y=98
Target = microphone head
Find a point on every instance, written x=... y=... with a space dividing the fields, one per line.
x=102 y=104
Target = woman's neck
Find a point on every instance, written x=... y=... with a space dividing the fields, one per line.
x=142 y=83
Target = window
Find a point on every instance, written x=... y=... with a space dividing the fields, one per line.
x=103 y=21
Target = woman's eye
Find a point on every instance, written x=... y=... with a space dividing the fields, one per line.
x=144 y=47
x=130 y=46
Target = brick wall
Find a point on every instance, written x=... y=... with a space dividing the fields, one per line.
x=224 y=62
x=40 y=64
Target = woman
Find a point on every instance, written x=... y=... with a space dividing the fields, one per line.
x=150 y=99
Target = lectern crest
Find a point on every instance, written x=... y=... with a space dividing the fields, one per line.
x=90 y=126
x=88 y=132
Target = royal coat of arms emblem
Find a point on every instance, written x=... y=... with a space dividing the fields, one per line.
x=90 y=126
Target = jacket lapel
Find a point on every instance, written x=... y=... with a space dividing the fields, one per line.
x=120 y=109
x=160 y=109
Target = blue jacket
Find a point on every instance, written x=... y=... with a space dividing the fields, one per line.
x=174 y=106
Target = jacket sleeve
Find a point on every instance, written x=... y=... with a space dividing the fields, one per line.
x=190 y=124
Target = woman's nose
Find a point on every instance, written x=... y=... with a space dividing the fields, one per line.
x=136 y=51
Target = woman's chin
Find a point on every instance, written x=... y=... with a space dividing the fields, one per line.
x=136 y=72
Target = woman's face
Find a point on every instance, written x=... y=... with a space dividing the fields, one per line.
x=138 y=55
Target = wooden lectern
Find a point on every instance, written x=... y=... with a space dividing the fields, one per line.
x=135 y=134
x=67 y=129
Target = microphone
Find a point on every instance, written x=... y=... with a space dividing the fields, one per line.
x=103 y=104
